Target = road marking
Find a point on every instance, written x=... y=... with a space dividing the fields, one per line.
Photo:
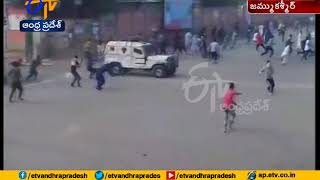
x=284 y=85
x=41 y=82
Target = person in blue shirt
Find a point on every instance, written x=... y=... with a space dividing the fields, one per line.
x=33 y=68
x=100 y=76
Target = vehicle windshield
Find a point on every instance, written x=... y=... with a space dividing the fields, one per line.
x=149 y=50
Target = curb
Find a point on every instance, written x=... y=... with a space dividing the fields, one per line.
x=44 y=62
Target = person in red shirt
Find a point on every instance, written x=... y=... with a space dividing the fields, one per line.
x=17 y=62
x=229 y=107
x=259 y=41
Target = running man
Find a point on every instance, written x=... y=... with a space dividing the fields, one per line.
x=268 y=48
x=268 y=69
x=289 y=43
x=75 y=64
x=229 y=107
x=33 y=68
x=100 y=76
x=15 y=76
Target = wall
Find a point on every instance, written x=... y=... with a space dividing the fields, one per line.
x=132 y=19
x=141 y=19
x=15 y=39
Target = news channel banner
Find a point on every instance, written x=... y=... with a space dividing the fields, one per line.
x=161 y=175
x=34 y=8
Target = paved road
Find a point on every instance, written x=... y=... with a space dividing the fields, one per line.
x=139 y=122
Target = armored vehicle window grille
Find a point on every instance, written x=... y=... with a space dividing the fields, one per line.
x=138 y=51
x=124 y=50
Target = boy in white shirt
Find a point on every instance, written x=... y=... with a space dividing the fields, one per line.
x=285 y=54
x=307 y=49
x=214 y=49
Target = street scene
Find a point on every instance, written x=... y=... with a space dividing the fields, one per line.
x=232 y=95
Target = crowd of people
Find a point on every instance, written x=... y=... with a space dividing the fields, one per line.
x=211 y=45
x=193 y=44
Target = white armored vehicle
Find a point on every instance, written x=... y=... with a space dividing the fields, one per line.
x=124 y=56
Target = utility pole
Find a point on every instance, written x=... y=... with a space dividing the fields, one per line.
x=29 y=44
x=197 y=15
x=5 y=24
x=5 y=40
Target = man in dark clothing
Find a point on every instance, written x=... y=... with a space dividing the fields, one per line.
x=33 y=68
x=237 y=28
x=289 y=43
x=90 y=62
x=249 y=33
x=163 y=47
x=76 y=77
x=221 y=35
x=203 y=41
x=203 y=47
x=91 y=69
x=100 y=76
x=268 y=48
x=162 y=43
x=178 y=44
x=15 y=75
x=203 y=32
x=267 y=35
x=214 y=32
x=88 y=53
